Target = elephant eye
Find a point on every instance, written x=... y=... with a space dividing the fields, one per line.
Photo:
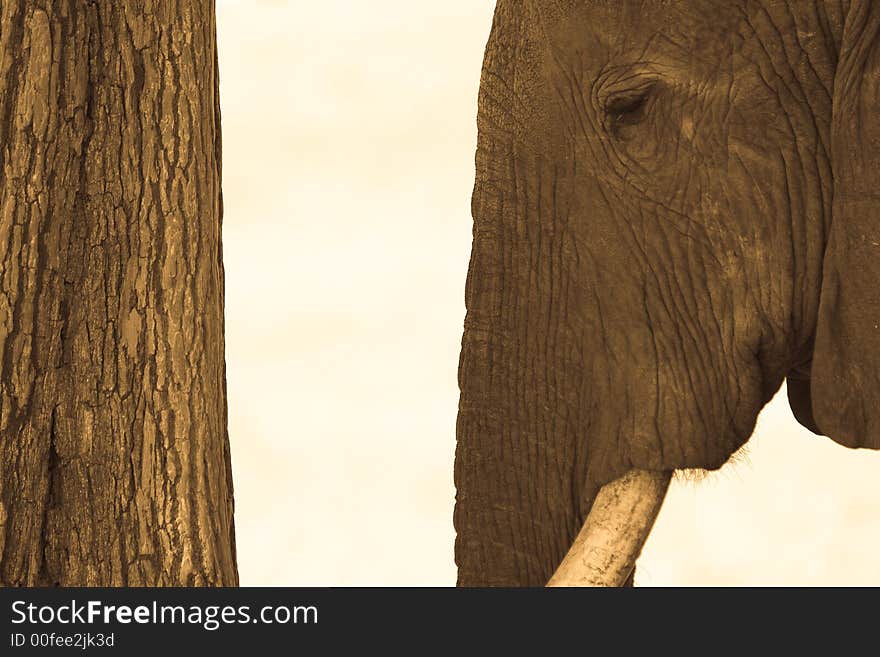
x=627 y=109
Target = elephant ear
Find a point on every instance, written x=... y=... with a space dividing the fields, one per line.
x=845 y=373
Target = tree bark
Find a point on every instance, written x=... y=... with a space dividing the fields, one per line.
x=114 y=453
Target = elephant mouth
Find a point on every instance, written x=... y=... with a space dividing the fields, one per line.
x=605 y=550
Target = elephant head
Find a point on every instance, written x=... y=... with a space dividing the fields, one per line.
x=675 y=208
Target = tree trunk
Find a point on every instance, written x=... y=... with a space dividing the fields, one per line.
x=114 y=453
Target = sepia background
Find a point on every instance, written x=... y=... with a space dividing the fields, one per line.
x=349 y=134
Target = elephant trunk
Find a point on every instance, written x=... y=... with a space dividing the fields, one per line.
x=539 y=424
x=521 y=454
x=530 y=505
x=530 y=458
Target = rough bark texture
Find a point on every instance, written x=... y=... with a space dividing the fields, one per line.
x=114 y=455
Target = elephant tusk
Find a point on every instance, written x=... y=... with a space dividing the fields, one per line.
x=605 y=551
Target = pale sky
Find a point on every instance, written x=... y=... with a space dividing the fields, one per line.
x=349 y=134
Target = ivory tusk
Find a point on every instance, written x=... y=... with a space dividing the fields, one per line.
x=605 y=551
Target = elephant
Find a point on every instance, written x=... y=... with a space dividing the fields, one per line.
x=676 y=209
